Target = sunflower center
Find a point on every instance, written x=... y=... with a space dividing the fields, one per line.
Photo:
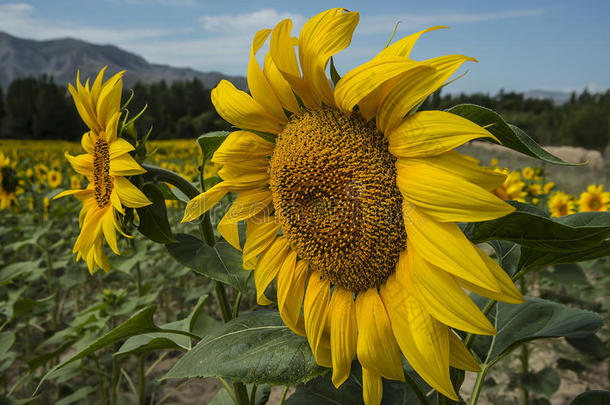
x=101 y=173
x=596 y=203
x=8 y=179
x=334 y=190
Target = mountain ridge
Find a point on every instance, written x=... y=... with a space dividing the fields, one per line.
x=61 y=58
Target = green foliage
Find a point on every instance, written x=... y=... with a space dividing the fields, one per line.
x=221 y=262
x=153 y=218
x=256 y=348
x=594 y=397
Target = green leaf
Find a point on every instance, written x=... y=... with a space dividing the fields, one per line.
x=14 y=270
x=146 y=342
x=508 y=255
x=590 y=345
x=261 y=396
x=593 y=397
x=509 y=135
x=141 y=322
x=334 y=75
x=254 y=348
x=7 y=339
x=153 y=218
x=534 y=259
x=211 y=141
x=77 y=396
x=566 y=274
x=221 y=262
x=544 y=382
x=321 y=391
x=534 y=319
x=531 y=228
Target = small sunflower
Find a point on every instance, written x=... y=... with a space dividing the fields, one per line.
x=512 y=188
x=561 y=204
x=105 y=166
x=54 y=178
x=534 y=189
x=8 y=183
x=548 y=187
x=528 y=173
x=494 y=162
x=594 y=199
x=342 y=176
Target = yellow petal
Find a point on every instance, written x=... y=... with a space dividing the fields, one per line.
x=239 y=177
x=130 y=195
x=82 y=164
x=463 y=166
x=377 y=348
x=508 y=291
x=321 y=37
x=372 y=387
x=460 y=357
x=260 y=233
x=407 y=94
x=261 y=90
x=404 y=46
x=109 y=101
x=431 y=133
x=77 y=193
x=446 y=197
x=290 y=291
x=280 y=86
x=315 y=309
x=109 y=232
x=204 y=201
x=116 y=201
x=343 y=334
x=100 y=257
x=242 y=146
x=88 y=142
x=422 y=339
x=241 y=110
x=364 y=79
x=229 y=231
x=444 y=244
x=84 y=110
x=443 y=297
x=268 y=266
x=125 y=165
x=120 y=147
x=282 y=52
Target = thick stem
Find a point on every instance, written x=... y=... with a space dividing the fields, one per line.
x=284 y=395
x=141 y=380
x=241 y=393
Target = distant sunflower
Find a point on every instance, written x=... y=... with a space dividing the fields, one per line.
x=54 y=178
x=548 y=187
x=8 y=183
x=561 y=204
x=594 y=199
x=512 y=188
x=105 y=165
x=330 y=182
x=528 y=173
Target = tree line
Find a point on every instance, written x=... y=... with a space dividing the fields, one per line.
x=39 y=108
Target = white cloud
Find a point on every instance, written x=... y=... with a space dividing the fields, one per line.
x=235 y=24
x=162 y=2
x=385 y=23
x=20 y=19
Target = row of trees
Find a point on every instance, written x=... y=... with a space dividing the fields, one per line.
x=41 y=109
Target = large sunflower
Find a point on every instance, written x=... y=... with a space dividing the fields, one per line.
x=105 y=165
x=8 y=183
x=594 y=199
x=351 y=204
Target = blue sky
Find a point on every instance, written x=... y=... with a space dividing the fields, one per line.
x=520 y=45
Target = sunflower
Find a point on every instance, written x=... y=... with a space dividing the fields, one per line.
x=528 y=173
x=494 y=162
x=548 y=187
x=561 y=204
x=8 y=183
x=54 y=178
x=512 y=188
x=330 y=183
x=534 y=189
x=105 y=166
x=594 y=199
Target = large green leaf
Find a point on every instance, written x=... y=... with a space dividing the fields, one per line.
x=255 y=348
x=509 y=135
x=508 y=254
x=534 y=319
x=594 y=397
x=531 y=228
x=261 y=396
x=153 y=218
x=221 y=262
x=141 y=322
x=566 y=274
x=210 y=141
x=533 y=259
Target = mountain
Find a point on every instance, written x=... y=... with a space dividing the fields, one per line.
x=558 y=97
x=60 y=58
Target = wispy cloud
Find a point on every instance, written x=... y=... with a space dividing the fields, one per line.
x=20 y=19
x=237 y=24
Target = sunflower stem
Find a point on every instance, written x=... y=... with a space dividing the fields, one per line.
x=524 y=353
x=476 y=390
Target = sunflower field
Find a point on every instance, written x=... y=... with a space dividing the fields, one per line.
x=338 y=246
